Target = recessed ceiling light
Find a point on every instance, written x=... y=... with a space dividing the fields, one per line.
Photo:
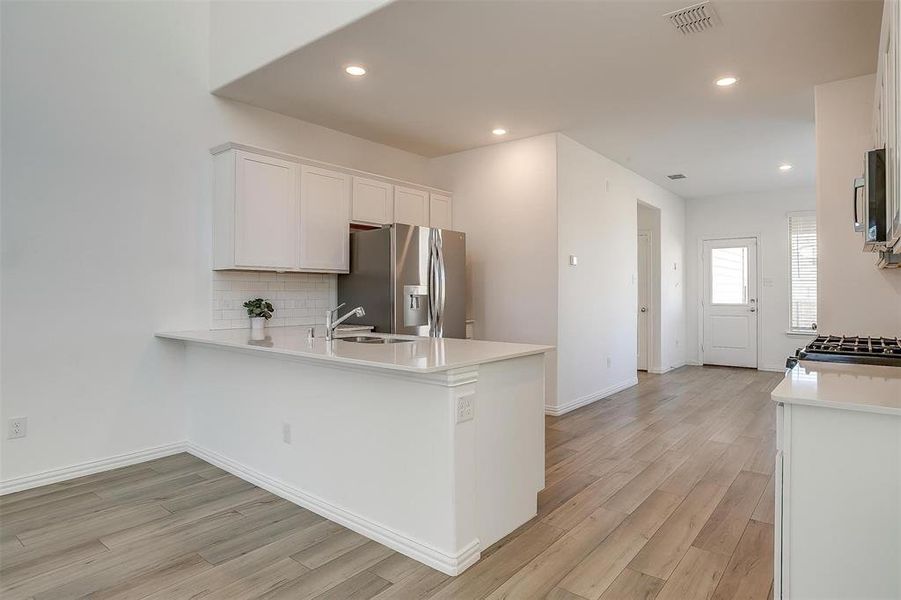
x=785 y=167
x=355 y=70
x=499 y=131
x=726 y=81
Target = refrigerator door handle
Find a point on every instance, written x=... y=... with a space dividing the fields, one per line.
x=442 y=282
x=433 y=284
x=437 y=284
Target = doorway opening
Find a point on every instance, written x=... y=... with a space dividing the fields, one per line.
x=729 y=303
x=647 y=280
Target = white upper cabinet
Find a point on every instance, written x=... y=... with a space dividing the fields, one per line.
x=373 y=201
x=324 y=216
x=440 y=214
x=887 y=115
x=411 y=206
x=256 y=212
x=277 y=212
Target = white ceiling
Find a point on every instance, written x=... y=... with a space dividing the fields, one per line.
x=614 y=75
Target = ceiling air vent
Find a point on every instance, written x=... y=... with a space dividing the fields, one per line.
x=693 y=19
x=675 y=176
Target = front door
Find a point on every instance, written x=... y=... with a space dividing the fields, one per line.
x=644 y=282
x=730 y=302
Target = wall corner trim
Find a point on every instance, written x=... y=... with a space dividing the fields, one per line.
x=561 y=409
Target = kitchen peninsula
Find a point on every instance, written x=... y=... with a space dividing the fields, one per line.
x=433 y=447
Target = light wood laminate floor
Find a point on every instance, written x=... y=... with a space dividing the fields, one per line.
x=664 y=490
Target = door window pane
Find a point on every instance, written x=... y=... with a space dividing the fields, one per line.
x=729 y=275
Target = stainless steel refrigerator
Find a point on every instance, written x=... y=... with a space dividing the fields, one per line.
x=410 y=280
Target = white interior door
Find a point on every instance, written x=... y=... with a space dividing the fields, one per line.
x=730 y=302
x=644 y=297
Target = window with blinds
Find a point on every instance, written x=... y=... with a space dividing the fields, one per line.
x=802 y=236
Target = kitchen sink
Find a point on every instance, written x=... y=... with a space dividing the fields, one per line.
x=371 y=339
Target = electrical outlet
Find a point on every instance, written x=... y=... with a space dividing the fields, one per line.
x=18 y=428
x=465 y=408
x=286 y=433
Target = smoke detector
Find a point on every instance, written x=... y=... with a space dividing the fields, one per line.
x=675 y=176
x=694 y=19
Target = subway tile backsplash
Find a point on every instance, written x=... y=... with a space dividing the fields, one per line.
x=298 y=298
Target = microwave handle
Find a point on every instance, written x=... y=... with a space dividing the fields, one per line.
x=859 y=183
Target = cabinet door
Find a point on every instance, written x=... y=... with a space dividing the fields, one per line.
x=324 y=217
x=440 y=211
x=373 y=201
x=892 y=29
x=411 y=206
x=266 y=191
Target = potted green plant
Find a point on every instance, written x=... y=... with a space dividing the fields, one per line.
x=259 y=311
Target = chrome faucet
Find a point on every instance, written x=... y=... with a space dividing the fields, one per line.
x=332 y=320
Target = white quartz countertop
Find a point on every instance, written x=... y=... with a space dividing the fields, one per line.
x=863 y=388
x=418 y=355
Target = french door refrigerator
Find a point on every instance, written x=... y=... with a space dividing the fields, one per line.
x=410 y=280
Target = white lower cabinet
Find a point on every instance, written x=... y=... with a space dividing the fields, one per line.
x=411 y=206
x=838 y=504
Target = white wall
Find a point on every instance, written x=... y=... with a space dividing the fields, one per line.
x=670 y=252
x=597 y=298
x=107 y=122
x=853 y=297
x=526 y=206
x=763 y=214
x=245 y=35
x=505 y=201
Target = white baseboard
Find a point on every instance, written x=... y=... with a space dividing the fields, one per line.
x=667 y=369
x=561 y=409
x=17 y=484
x=694 y=363
x=448 y=564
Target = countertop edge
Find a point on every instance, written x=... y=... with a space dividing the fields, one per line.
x=822 y=394
x=867 y=408
x=185 y=337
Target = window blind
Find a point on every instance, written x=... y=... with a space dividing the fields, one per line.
x=802 y=234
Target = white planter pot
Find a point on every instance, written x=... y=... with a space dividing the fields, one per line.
x=257 y=323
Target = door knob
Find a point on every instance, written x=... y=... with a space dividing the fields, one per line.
x=753 y=310
x=643 y=309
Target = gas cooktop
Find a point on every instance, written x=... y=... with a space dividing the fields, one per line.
x=853 y=349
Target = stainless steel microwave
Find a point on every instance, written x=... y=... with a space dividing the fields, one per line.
x=869 y=202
